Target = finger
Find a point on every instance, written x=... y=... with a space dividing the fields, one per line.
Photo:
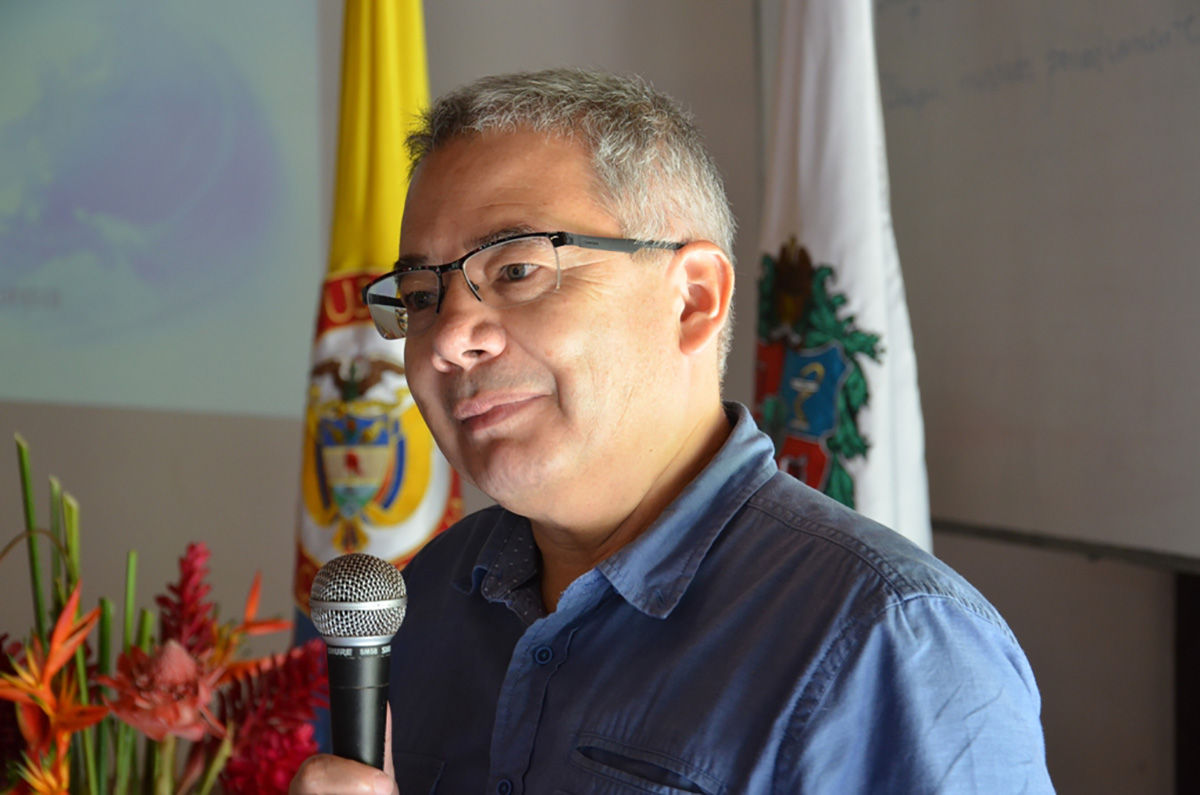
x=389 y=766
x=323 y=774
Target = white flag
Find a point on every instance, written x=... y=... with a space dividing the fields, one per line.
x=837 y=380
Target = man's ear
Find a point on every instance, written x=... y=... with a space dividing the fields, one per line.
x=707 y=276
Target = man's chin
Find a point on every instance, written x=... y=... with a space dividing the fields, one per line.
x=521 y=491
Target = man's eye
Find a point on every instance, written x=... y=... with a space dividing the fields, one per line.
x=418 y=300
x=517 y=271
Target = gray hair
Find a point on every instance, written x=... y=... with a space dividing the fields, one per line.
x=654 y=174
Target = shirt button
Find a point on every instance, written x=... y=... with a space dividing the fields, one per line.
x=504 y=787
x=543 y=655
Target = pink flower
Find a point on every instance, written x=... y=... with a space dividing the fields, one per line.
x=168 y=693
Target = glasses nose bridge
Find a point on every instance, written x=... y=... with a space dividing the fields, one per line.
x=448 y=270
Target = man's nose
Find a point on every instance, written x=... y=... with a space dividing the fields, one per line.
x=466 y=331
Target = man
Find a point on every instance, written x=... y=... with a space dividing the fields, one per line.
x=653 y=607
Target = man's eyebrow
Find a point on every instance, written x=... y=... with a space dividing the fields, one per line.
x=501 y=234
x=411 y=261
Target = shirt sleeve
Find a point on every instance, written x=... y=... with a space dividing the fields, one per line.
x=928 y=696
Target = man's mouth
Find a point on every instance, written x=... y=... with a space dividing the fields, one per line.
x=486 y=410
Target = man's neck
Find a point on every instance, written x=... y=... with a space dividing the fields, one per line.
x=570 y=551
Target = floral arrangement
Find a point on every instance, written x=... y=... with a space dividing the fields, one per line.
x=72 y=723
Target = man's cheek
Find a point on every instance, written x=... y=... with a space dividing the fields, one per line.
x=434 y=417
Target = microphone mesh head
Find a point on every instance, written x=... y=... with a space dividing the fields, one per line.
x=358 y=577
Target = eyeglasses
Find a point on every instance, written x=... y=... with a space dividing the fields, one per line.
x=501 y=274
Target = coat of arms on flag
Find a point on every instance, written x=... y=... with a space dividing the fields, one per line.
x=809 y=384
x=365 y=458
x=371 y=478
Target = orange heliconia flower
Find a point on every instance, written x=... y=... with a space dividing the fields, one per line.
x=165 y=694
x=48 y=706
x=52 y=778
x=229 y=637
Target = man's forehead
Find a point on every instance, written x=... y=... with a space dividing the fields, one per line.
x=480 y=187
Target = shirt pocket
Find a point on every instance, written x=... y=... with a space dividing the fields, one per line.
x=628 y=768
x=417 y=774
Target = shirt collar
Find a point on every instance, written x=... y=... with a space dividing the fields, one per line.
x=501 y=564
x=654 y=571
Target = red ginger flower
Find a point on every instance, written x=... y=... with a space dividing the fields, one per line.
x=168 y=693
x=185 y=614
x=266 y=766
x=271 y=704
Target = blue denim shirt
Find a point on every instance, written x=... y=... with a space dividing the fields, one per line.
x=758 y=638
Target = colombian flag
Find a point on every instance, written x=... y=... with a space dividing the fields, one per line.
x=372 y=480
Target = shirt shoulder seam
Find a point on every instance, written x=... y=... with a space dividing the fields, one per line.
x=855 y=631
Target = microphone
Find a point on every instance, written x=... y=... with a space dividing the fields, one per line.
x=357 y=603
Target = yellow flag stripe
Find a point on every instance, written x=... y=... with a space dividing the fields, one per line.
x=384 y=84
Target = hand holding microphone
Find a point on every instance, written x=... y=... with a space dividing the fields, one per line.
x=357 y=603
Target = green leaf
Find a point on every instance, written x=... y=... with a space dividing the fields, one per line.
x=846 y=439
x=841 y=485
x=766 y=295
x=817 y=338
x=861 y=342
x=855 y=390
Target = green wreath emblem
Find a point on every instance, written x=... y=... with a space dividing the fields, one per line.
x=797 y=307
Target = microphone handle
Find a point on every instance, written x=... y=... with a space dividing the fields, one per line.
x=358 y=692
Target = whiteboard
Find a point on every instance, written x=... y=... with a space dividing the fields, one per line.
x=1045 y=166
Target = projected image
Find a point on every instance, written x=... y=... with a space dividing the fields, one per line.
x=143 y=182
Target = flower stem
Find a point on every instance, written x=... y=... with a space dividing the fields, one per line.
x=217 y=763
x=70 y=517
x=130 y=596
x=57 y=559
x=145 y=633
x=164 y=766
x=35 y=557
x=104 y=729
x=89 y=762
x=125 y=757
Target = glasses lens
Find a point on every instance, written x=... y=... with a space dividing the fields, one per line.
x=506 y=274
x=514 y=272
x=403 y=303
x=417 y=292
x=386 y=309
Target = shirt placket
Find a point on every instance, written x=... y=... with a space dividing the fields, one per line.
x=537 y=657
